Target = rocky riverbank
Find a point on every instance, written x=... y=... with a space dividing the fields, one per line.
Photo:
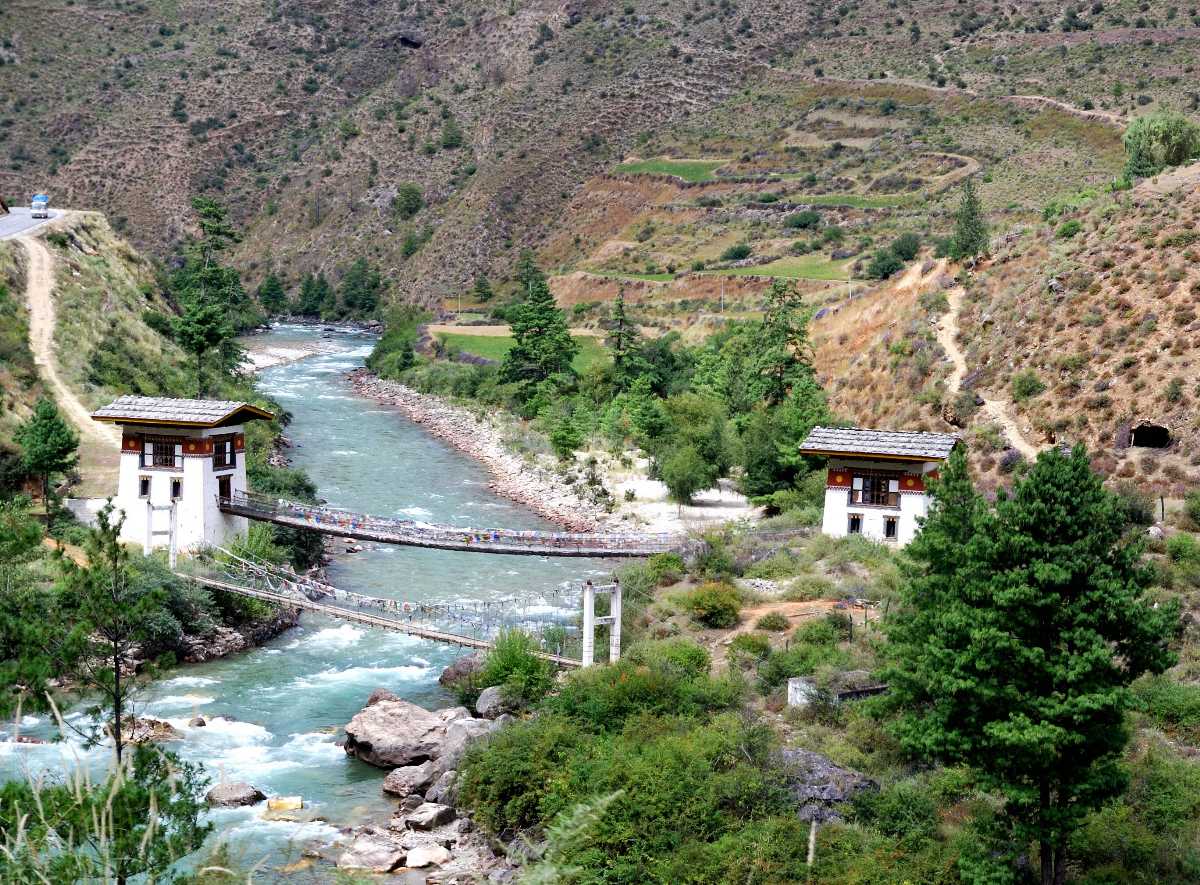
x=534 y=485
x=421 y=750
x=226 y=640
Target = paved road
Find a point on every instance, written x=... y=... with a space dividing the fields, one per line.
x=18 y=221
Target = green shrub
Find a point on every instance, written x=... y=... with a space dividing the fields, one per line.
x=799 y=659
x=805 y=220
x=714 y=559
x=809 y=587
x=677 y=656
x=1148 y=835
x=1068 y=229
x=906 y=246
x=1169 y=703
x=774 y=621
x=513 y=664
x=1137 y=505
x=1025 y=385
x=883 y=264
x=408 y=200
x=666 y=568
x=1191 y=508
x=754 y=645
x=781 y=564
x=737 y=252
x=772 y=850
x=505 y=779
x=1183 y=548
x=602 y=698
x=714 y=604
x=905 y=810
x=674 y=789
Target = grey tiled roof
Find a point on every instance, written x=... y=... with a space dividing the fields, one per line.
x=162 y=410
x=892 y=443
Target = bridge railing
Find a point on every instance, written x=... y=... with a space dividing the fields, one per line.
x=321 y=516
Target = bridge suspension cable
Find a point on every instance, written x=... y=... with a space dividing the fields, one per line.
x=388 y=530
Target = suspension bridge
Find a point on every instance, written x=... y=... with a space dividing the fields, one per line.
x=219 y=569
x=408 y=532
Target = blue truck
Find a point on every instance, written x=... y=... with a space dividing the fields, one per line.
x=39 y=206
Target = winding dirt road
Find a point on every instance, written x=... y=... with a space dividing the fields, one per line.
x=99 y=444
x=996 y=410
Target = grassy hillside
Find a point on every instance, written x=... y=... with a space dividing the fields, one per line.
x=105 y=293
x=19 y=382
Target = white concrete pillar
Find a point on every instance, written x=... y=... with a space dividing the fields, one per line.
x=589 y=624
x=614 y=630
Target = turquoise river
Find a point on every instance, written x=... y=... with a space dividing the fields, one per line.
x=283 y=704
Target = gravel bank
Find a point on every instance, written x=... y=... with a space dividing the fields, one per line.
x=536 y=486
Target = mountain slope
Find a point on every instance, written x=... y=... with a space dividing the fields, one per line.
x=305 y=116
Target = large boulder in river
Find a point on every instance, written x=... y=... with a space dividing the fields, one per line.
x=234 y=794
x=459 y=734
x=442 y=792
x=381 y=694
x=460 y=669
x=429 y=815
x=392 y=733
x=147 y=730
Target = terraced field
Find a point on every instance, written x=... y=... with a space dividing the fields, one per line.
x=494 y=347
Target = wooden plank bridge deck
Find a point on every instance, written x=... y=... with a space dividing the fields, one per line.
x=360 y=617
x=383 y=530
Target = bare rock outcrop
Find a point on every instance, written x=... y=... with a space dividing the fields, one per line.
x=410 y=779
x=372 y=850
x=818 y=786
x=393 y=733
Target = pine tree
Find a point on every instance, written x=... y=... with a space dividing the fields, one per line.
x=785 y=354
x=482 y=290
x=106 y=620
x=970 y=230
x=452 y=134
x=202 y=326
x=622 y=339
x=271 y=295
x=542 y=342
x=48 y=445
x=360 y=288
x=329 y=300
x=1139 y=160
x=1021 y=631
x=203 y=277
x=315 y=294
x=24 y=667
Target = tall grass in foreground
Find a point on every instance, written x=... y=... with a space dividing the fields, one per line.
x=137 y=822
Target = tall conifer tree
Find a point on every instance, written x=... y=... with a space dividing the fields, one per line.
x=1021 y=631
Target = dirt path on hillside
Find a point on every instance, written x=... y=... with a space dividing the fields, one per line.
x=99 y=444
x=996 y=410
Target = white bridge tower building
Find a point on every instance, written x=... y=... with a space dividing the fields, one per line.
x=177 y=457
